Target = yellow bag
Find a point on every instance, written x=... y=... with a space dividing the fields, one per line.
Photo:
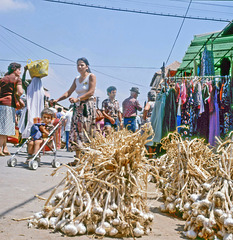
x=38 y=68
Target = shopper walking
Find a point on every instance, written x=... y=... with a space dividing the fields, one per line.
x=84 y=116
x=130 y=107
x=10 y=89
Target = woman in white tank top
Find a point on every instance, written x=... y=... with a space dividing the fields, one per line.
x=83 y=120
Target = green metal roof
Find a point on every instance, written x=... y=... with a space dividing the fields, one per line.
x=220 y=42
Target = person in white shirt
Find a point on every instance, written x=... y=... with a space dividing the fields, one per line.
x=83 y=125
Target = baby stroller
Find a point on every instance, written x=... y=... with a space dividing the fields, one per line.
x=34 y=162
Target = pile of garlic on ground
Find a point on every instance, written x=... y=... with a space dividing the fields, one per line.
x=197 y=182
x=106 y=193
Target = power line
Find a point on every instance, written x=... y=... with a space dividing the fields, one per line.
x=208 y=4
x=178 y=32
x=119 y=79
x=37 y=44
x=136 y=11
x=97 y=66
x=65 y=57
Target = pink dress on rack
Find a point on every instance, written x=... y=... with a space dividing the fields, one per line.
x=214 y=127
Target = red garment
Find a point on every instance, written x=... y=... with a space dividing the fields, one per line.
x=177 y=88
x=183 y=93
x=130 y=107
x=7 y=84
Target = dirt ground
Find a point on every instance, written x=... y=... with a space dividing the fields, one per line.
x=19 y=185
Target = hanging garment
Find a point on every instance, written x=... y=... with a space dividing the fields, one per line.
x=35 y=103
x=157 y=116
x=214 y=128
x=183 y=93
x=203 y=120
x=185 y=119
x=169 y=123
x=207 y=63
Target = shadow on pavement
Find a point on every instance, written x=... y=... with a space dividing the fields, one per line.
x=24 y=203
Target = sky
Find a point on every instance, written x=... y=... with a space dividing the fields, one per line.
x=124 y=49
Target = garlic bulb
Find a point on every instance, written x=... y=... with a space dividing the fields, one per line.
x=206 y=186
x=57 y=211
x=113 y=207
x=134 y=210
x=228 y=236
x=43 y=223
x=113 y=231
x=147 y=232
x=187 y=206
x=201 y=220
x=194 y=197
x=150 y=217
x=116 y=222
x=109 y=213
x=222 y=218
x=53 y=202
x=106 y=226
x=138 y=231
x=52 y=222
x=69 y=229
x=124 y=225
x=81 y=228
x=163 y=208
x=100 y=231
x=38 y=215
x=185 y=215
x=228 y=222
x=191 y=234
x=98 y=210
x=59 y=195
x=218 y=212
x=171 y=208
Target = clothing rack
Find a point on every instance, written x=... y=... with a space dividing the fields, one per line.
x=196 y=77
x=202 y=79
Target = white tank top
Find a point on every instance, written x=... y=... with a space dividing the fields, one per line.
x=83 y=87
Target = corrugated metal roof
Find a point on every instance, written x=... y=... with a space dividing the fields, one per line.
x=220 y=42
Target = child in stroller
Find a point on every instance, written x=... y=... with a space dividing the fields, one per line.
x=40 y=131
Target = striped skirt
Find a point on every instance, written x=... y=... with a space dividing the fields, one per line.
x=7 y=120
x=83 y=124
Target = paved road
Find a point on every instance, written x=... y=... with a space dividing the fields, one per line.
x=19 y=185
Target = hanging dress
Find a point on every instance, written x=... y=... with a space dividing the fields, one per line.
x=214 y=128
x=169 y=123
x=157 y=117
x=35 y=103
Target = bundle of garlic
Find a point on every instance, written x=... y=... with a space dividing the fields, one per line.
x=106 y=193
x=211 y=215
x=182 y=170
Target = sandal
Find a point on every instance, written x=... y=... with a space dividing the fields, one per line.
x=6 y=153
x=2 y=154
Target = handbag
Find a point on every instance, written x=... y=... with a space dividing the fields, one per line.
x=99 y=115
x=38 y=68
x=14 y=139
x=17 y=102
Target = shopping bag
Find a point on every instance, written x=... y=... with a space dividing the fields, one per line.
x=14 y=139
x=38 y=68
x=99 y=115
